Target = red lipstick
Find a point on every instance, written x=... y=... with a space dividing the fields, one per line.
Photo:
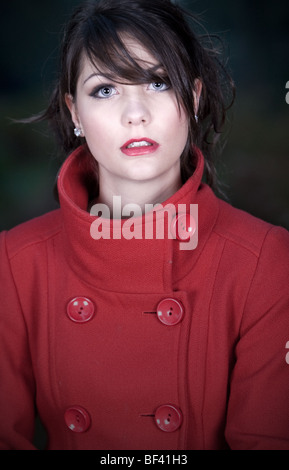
x=136 y=147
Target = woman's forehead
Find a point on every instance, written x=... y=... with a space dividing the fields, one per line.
x=139 y=52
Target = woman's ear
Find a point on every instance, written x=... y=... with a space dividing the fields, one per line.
x=197 y=93
x=70 y=103
x=72 y=108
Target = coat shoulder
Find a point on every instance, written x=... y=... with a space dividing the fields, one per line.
x=246 y=230
x=33 y=232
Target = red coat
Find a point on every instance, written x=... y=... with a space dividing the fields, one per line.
x=82 y=341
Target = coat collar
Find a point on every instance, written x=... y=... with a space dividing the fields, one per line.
x=123 y=265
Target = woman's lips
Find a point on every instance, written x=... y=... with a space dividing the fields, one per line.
x=143 y=146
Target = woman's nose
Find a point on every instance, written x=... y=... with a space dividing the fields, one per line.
x=136 y=111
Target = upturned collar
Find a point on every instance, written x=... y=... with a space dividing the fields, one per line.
x=137 y=265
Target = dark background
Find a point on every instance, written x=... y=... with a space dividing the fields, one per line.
x=255 y=163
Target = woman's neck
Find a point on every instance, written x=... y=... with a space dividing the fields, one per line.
x=138 y=194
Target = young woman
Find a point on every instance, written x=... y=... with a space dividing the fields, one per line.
x=165 y=330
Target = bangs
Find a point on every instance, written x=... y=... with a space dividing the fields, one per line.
x=109 y=52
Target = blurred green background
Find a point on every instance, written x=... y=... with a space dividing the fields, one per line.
x=255 y=162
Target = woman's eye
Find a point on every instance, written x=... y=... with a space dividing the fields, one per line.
x=158 y=86
x=104 y=91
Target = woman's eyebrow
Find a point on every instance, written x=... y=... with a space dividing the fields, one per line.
x=91 y=76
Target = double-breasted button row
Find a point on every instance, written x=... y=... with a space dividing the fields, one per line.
x=168 y=418
x=170 y=311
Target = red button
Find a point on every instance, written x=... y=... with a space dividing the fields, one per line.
x=168 y=418
x=170 y=312
x=183 y=227
x=77 y=419
x=80 y=310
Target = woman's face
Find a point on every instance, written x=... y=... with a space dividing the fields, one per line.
x=135 y=132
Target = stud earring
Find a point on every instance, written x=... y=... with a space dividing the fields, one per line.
x=196 y=118
x=77 y=132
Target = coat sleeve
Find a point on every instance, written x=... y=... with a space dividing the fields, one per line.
x=17 y=389
x=258 y=410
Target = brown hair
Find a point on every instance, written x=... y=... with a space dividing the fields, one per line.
x=96 y=29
